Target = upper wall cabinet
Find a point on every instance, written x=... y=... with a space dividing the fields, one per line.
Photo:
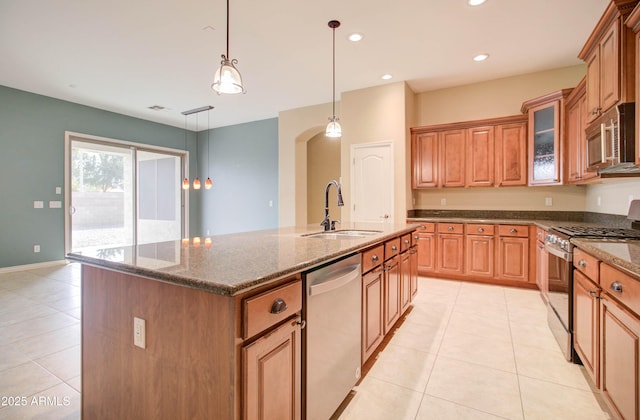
x=575 y=140
x=633 y=22
x=545 y=137
x=480 y=153
x=610 y=57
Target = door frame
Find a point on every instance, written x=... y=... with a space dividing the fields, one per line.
x=69 y=136
x=352 y=177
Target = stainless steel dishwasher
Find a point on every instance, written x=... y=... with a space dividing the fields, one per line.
x=332 y=337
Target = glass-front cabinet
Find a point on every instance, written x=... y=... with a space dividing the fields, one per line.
x=545 y=137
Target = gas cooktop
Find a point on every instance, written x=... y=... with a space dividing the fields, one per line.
x=597 y=232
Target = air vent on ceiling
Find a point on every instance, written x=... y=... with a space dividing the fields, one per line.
x=157 y=108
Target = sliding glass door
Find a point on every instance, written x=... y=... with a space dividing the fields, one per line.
x=122 y=194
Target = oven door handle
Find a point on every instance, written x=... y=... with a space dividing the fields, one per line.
x=566 y=256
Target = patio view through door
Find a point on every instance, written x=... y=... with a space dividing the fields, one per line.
x=122 y=194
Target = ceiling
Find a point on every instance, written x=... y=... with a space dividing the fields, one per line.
x=127 y=55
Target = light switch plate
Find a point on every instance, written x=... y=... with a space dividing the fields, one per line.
x=58 y=190
x=55 y=204
x=139 y=332
x=38 y=204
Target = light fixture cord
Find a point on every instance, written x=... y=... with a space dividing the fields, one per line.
x=208 y=129
x=196 y=145
x=228 y=30
x=186 y=175
x=334 y=72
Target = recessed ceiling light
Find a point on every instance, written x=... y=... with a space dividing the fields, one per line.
x=386 y=76
x=475 y=2
x=480 y=57
x=356 y=37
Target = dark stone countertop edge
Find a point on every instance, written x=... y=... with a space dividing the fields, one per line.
x=615 y=261
x=245 y=286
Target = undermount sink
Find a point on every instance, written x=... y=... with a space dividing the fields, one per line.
x=343 y=234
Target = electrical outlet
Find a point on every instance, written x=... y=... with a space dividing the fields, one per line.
x=443 y=201
x=598 y=201
x=548 y=201
x=36 y=248
x=139 y=332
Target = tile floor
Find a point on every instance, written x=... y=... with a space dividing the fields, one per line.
x=465 y=351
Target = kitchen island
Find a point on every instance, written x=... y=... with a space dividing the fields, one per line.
x=200 y=302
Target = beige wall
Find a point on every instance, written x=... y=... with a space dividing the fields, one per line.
x=323 y=165
x=614 y=195
x=376 y=115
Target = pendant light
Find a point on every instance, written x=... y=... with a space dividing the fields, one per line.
x=185 y=181
x=227 y=78
x=333 y=128
x=196 y=182
x=208 y=183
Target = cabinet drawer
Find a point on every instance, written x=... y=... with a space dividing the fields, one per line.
x=391 y=248
x=480 y=229
x=258 y=311
x=405 y=242
x=513 y=230
x=427 y=227
x=621 y=286
x=450 y=228
x=372 y=258
x=588 y=265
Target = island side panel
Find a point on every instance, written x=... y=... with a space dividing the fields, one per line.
x=186 y=370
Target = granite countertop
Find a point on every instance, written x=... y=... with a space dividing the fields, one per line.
x=235 y=263
x=620 y=253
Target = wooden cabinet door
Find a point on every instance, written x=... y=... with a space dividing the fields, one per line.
x=450 y=254
x=452 y=172
x=513 y=258
x=479 y=256
x=271 y=374
x=426 y=253
x=542 y=270
x=425 y=160
x=609 y=67
x=391 y=293
x=405 y=281
x=593 y=85
x=586 y=324
x=413 y=251
x=511 y=154
x=575 y=136
x=620 y=358
x=372 y=311
x=480 y=157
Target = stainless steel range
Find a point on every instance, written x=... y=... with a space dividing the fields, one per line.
x=560 y=276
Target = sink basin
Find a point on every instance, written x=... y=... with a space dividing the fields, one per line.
x=343 y=234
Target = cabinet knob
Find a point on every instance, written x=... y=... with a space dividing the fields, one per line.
x=616 y=286
x=278 y=306
x=594 y=294
x=582 y=263
x=513 y=230
x=406 y=242
x=394 y=248
x=480 y=229
x=450 y=228
x=416 y=237
x=374 y=258
x=422 y=227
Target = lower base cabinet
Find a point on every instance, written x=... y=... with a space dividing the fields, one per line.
x=513 y=259
x=586 y=324
x=620 y=358
x=372 y=311
x=392 y=278
x=271 y=379
x=405 y=281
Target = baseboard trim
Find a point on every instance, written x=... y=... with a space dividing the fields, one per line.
x=32 y=266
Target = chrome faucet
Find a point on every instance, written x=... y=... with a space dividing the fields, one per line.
x=327 y=222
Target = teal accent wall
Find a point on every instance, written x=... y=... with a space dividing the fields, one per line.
x=32 y=131
x=243 y=164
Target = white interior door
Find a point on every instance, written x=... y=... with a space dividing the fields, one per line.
x=372 y=183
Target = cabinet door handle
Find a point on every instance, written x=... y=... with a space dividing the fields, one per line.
x=374 y=258
x=422 y=227
x=406 y=242
x=394 y=248
x=513 y=230
x=480 y=229
x=616 y=286
x=416 y=237
x=582 y=263
x=278 y=306
x=594 y=294
x=450 y=228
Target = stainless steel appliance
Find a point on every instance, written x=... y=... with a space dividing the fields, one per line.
x=332 y=337
x=611 y=141
x=560 y=277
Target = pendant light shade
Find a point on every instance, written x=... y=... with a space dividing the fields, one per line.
x=227 y=79
x=185 y=184
x=334 y=130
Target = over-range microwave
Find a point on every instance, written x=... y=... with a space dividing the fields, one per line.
x=611 y=138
